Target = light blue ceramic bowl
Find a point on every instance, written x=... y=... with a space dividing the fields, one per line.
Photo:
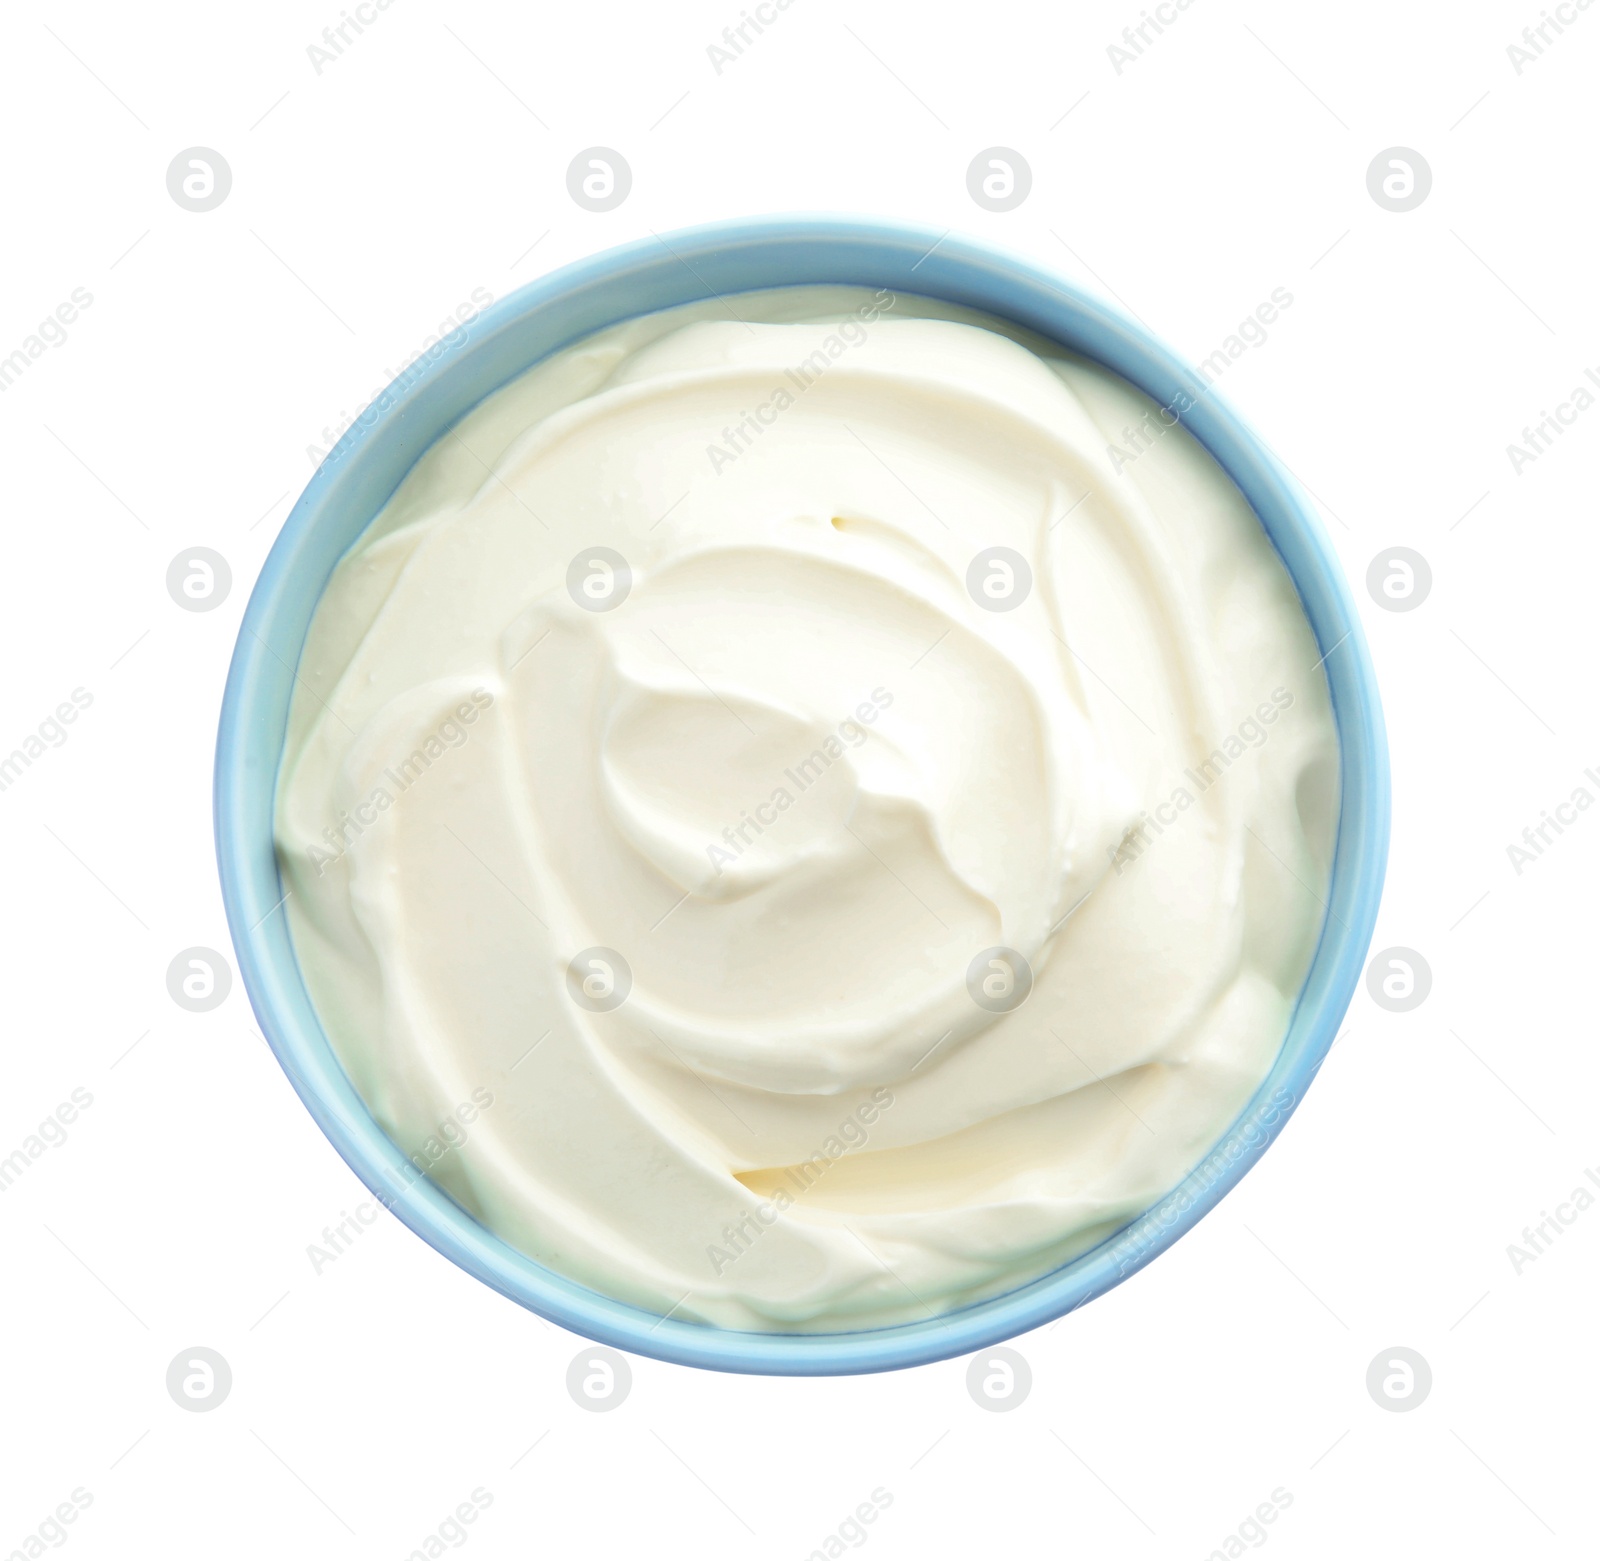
x=369 y=462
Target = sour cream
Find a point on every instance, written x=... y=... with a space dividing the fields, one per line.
x=809 y=810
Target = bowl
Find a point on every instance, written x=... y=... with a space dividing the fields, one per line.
x=366 y=466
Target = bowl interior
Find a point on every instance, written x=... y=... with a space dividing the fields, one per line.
x=367 y=465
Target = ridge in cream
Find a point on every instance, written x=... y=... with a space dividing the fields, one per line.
x=854 y=802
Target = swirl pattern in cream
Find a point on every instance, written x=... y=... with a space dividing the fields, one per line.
x=852 y=789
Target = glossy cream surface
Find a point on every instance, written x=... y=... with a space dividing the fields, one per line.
x=807 y=810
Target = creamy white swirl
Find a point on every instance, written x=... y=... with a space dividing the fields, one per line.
x=852 y=789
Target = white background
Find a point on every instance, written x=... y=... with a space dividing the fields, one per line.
x=367 y=203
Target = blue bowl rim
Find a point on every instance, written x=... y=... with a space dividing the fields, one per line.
x=683 y=266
